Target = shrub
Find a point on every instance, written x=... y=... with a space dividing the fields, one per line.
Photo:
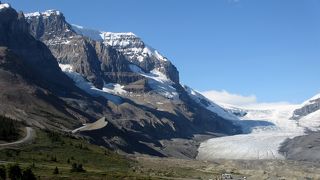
x=77 y=168
x=54 y=159
x=28 y=175
x=14 y=172
x=54 y=136
x=56 y=170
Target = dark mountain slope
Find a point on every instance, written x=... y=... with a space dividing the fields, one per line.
x=36 y=90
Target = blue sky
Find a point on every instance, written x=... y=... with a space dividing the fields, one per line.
x=269 y=49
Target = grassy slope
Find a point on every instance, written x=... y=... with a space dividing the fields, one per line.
x=50 y=150
x=97 y=161
x=53 y=150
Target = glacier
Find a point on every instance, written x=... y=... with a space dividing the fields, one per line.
x=265 y=127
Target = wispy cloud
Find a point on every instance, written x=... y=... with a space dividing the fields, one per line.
x=224 y=97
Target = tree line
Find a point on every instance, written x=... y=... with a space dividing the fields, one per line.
x=9 y=129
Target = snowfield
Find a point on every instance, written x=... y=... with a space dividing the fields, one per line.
x=267 y=126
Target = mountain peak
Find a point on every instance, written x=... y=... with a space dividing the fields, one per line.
x=48 y=13
x=134 y=49
x=4 y=6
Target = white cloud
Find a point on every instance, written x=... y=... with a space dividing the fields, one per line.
x=224 y=97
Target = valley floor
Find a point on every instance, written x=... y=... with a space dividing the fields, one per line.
x=238 y=169
x=49 y=150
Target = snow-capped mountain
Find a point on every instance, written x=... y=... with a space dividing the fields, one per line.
x=147 y=62
x=145 y=100
x=4 y=6
x=69 y=75
x=135 y=50
x=308 y=114
x=211 y=106
x=308 y=107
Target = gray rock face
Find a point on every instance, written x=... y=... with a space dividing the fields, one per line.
x=312 y=106
x=140 y=54
x=97 y=62
x=49 y=25
x=32 y=84
x=302 y=148
x=135 y=50
x=114 y=66
x=15 y=35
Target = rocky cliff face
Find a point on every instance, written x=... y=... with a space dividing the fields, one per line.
x=140 y=54
x=33 y=87
x=135 y=50
x=15 y=35
x=97 y=62
x=308 y=107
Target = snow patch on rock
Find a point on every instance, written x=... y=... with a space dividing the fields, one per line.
x=126 y=42
x=311 y=121
x=158 y=81
x=88 y=86
x=4 y=6
x=114 y=88
x=44 y=14
x=90 y=33
x=205 y=102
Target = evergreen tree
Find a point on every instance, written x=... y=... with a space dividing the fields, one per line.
x=9 y=129
x=56 y=170
x=3 y=173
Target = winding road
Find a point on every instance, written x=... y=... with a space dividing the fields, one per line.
x=28 y=138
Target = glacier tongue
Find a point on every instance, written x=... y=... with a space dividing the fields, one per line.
x=267 y=128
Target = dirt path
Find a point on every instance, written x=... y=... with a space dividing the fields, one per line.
x=28 y=138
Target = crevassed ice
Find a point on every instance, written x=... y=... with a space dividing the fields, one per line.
x=263 y=141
